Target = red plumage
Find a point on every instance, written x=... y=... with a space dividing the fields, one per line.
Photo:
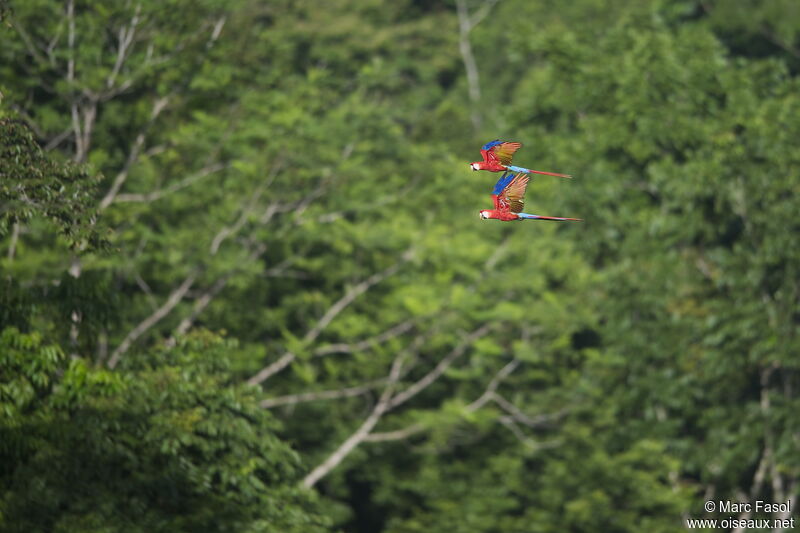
x=497 y=157
x=509 y=201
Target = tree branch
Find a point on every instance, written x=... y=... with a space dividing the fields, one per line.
x=333 y=311
x=124 y=40
x=509 y=423
x=29 y=44
x=174 y=298
x=484 y=398
x=465 y=26
x=398 y=434
x=12 y=246
x=498 y=378
x=347 y=392
x=71 y=40
x=440 y=368
x=160 y=193
x=390 y=333
x=361 y=433
x=518 y=416
x=133 y=155
x=201 y=303
x=248 y=210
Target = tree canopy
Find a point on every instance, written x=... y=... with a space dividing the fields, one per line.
x=245 y=286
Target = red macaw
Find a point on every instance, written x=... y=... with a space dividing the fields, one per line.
x=509 y=200
x=497 y=157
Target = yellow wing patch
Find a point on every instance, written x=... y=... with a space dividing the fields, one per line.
x=514 y=193
x=505 y=151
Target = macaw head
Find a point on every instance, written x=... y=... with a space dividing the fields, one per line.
x=475 y=166
x=484 y=214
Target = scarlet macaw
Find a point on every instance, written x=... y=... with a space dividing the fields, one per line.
x=497 y=157
x=509 y=200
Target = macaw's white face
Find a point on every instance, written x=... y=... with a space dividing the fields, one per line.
x=473 y=166
x=484 y=215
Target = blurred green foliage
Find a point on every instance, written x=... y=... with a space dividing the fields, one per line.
x=292 y=176
x=170 y=445
x=34 y=185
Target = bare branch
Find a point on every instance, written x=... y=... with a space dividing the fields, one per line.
x=77 y=134
x=248 y=210
x=440 y=368
x=527 y=441
x=776 y=39
x=52 y=44
x=351 y=295
x=790 y=495
x=29 y=44
x=273 y=368
x=30 y=121
x=518 y=416
x=174 y=298
x=755 y=489
x=497 y=254
x=215 y=32
x=361 y=433
x=160 y=193
x=347 y=392
x=465 y=26
x=145 y=289
x=398 y=434
x=71 y=40
x=83 y=117
x=102 y=346
x=133 y=155
x=333 y=216
x=12 y=246
x=333 y=311
x=58 y=139
x=200 y=304
x=280 y=268
x=498 y=378
x=509 y=423
x=481 y=13
x=390 y=333
x=124 y=40
x=484 y=398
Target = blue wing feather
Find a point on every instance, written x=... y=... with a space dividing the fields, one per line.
x=501 y=184
x=489 y=145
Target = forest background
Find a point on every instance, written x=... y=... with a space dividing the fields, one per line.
x=245 y=286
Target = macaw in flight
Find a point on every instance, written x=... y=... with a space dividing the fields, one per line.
x=509 y=200
x=497 y=157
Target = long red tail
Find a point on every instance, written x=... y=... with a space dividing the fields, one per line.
x=512 y=168
x=551 y=174
x=540 y=217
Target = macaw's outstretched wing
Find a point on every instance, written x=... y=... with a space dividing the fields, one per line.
x=501 y=184
x=499 y=151
x=512 y=197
